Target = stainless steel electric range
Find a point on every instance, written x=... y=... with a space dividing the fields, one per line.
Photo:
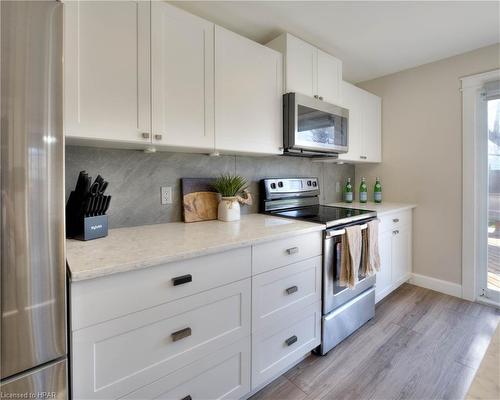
x=344 y=309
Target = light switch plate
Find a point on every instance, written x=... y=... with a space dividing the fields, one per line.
x=166 y=195
x=337 y=187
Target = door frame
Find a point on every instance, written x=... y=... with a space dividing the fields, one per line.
x=474 y=181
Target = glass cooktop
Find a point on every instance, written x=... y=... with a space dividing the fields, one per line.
x=327 y=215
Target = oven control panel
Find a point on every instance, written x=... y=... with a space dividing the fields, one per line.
x=289 y=187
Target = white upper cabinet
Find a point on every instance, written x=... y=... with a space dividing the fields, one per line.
x=182 y=66
x=329 y=73
x=248 y=96
x=373 y=127
x=300 y=64
x=365 y=133
x=308 y=70
x=106 y=70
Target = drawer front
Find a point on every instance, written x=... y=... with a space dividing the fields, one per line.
x=395 y=220
x=224 y=374
x=116 y=357
x=98 y=300
x=271 y=255
x=275 y=350
x=283 y=290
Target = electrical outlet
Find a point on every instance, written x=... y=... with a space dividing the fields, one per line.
x=337 y=187
x=166 y=194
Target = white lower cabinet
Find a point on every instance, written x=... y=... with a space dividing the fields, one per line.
x=280 y=346
x=395 y=246
x=153 y=338
x=222 y=375
x=116 y=357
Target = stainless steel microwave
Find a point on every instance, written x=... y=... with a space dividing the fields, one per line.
x=312 y=127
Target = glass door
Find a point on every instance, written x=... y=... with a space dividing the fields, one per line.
x=490 y=279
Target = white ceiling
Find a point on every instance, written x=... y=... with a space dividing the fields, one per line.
x=372 y=38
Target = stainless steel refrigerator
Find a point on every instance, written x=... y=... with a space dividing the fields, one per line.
x=33 y=287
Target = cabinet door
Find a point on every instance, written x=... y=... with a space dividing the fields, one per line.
x=372 y=132
x=353 y=101
x=106 y=70
x=401 y=255
x=248 y=100
x=329 y=75
x=384 y=278
x=301 y=67
x=182 y=78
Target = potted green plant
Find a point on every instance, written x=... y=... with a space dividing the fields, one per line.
x=229 y=187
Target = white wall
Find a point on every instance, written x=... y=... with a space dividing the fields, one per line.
x=421 y=150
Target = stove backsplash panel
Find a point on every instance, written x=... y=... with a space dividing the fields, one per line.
x=135 y=178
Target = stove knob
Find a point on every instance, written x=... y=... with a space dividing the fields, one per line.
x=315 y=184
x=280 y=184
x=308 y=183
x=273 y=185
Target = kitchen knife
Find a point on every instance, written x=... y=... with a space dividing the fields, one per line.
x=103 y=187
x=106 y=206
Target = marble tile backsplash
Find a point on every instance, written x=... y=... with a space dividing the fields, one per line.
x=135 y=178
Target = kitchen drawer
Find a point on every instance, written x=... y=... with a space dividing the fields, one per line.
x=101 y=299
x=224 y=374
x=270 y=255
x=275 y=350
x=284 y=290
x=116 y=357
x=395 y=220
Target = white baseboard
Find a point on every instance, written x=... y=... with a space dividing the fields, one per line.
x=446 y=287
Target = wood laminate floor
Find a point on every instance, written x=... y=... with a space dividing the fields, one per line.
x=420 y=345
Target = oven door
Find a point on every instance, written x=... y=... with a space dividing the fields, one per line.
x=335 y=295
x=314 y=125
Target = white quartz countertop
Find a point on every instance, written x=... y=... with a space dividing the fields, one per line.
x=380 y=208
x=127 y=249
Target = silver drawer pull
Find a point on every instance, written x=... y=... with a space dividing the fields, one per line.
x=188 y=397
x=395 y=232
x=145 y=135
x=395 y=220
x=363 y=157
x=183 y=333
x=291 y=340
x=292 y=250
x=292 y=289
x=158 y=136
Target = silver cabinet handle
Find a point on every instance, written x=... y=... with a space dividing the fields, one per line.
x=291 y=340
x=292 y=250
x=183 y=333
x=363 y=157
x=291 y=289
x=158 y=136
x=395 y=232
x=395 y=220
x=321 y=98
x=316 y=96
x=145 y=135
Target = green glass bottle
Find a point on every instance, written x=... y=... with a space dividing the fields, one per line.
x=377 y=191
x=363 y=191
x=348 y=195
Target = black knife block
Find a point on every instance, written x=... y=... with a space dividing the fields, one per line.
x=94 y=228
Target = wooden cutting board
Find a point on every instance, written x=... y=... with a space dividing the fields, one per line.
x=199 y=199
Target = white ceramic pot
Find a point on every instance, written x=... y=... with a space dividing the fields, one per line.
x=229 y=209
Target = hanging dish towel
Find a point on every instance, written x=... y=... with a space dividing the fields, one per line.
x=372 y=259
x=350 y=256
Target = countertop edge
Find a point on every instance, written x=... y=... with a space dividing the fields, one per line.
x=397 y=207
x=112 y=270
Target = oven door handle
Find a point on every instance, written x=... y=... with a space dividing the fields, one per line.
x=330 y=234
